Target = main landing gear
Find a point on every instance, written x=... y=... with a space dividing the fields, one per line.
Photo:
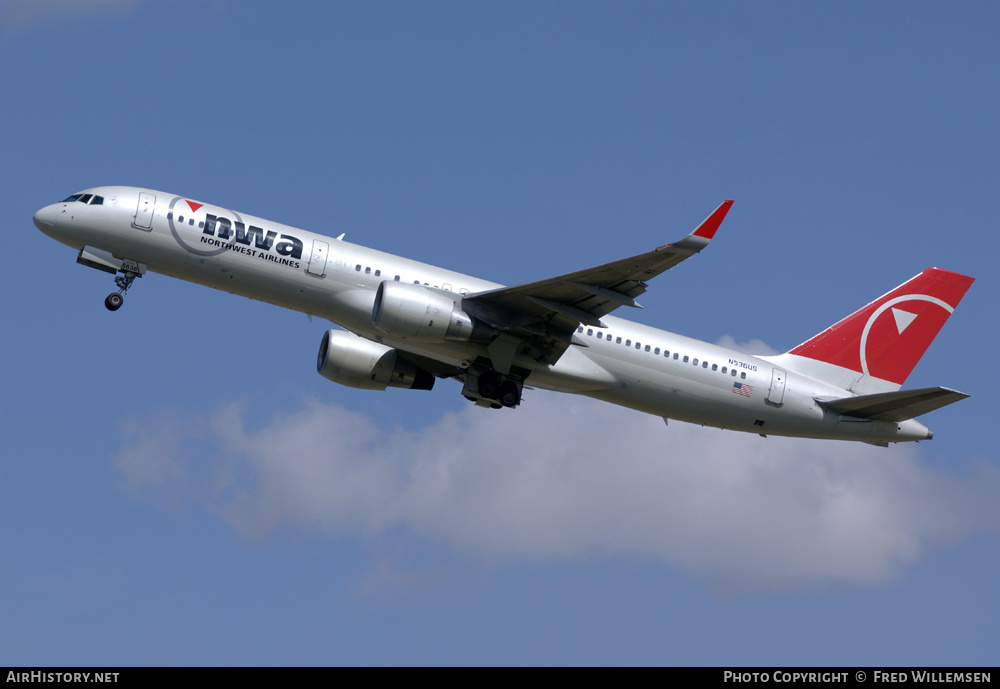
x=488 y=388
x=504 y=390
x=114 y=301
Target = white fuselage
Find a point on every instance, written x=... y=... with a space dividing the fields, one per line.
x=629 y=364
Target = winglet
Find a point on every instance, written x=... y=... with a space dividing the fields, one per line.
x=699 y=239
x=708 y=228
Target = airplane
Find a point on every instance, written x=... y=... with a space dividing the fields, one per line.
x=407 y=323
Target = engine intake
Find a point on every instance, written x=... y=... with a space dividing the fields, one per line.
x=356 y=362
x=415 y=312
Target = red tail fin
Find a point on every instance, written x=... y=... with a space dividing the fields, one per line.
x=886 y=338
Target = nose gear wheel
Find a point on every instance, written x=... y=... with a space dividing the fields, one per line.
x=114 y=301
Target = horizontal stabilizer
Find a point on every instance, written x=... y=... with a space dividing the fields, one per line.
x=894 y=406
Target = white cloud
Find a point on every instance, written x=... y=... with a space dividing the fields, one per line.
x=754 y=346
x=565 y=477
x=153 y=458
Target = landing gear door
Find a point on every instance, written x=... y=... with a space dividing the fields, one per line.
x=776 y=393
x=317 y=262
x=143 y=219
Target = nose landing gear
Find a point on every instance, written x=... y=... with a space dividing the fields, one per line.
x=115 y=300
x=104 y=260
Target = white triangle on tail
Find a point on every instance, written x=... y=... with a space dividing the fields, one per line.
x=903 y=319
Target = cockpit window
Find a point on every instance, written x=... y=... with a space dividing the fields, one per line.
x=92 y=199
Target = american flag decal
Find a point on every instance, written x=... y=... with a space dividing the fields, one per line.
x=743 y=389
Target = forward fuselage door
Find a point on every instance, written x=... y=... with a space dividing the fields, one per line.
x=317 y=262
x=143 y=219
x=776 y=393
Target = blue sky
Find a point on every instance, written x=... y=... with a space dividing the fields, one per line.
x=182 y=488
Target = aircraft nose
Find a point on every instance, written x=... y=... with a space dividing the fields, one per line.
x=45 y=219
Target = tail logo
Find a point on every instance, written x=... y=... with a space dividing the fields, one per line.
x=902 y=319
x=886 y=349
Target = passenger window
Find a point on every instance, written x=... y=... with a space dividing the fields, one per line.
x=590 y=331
x=638 y=346
x=368 y=270
x=618 y=340
x=191 y=222
x=675 y=357
x=580 y=329
x=628 y=343
x=733 y=372
x=378 y=273
x=396 y=278
x=695 y=362
x=723 y=369
x=743 y=374
x=704 y=364
x=358 y=267
x=180 y=218
x=170 y=215
x=656 y=351
x=685 y=358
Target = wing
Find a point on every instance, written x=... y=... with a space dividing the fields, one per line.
x=539 y=318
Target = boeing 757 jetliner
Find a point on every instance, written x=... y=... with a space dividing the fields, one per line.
x=408 y=323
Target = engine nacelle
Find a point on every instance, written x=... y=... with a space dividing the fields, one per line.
x=356 y=362
x=415 y=312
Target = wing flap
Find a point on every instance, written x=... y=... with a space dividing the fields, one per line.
x=894 y=406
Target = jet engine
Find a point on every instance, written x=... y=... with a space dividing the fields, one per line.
x=356 y=362
x=417 y=313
